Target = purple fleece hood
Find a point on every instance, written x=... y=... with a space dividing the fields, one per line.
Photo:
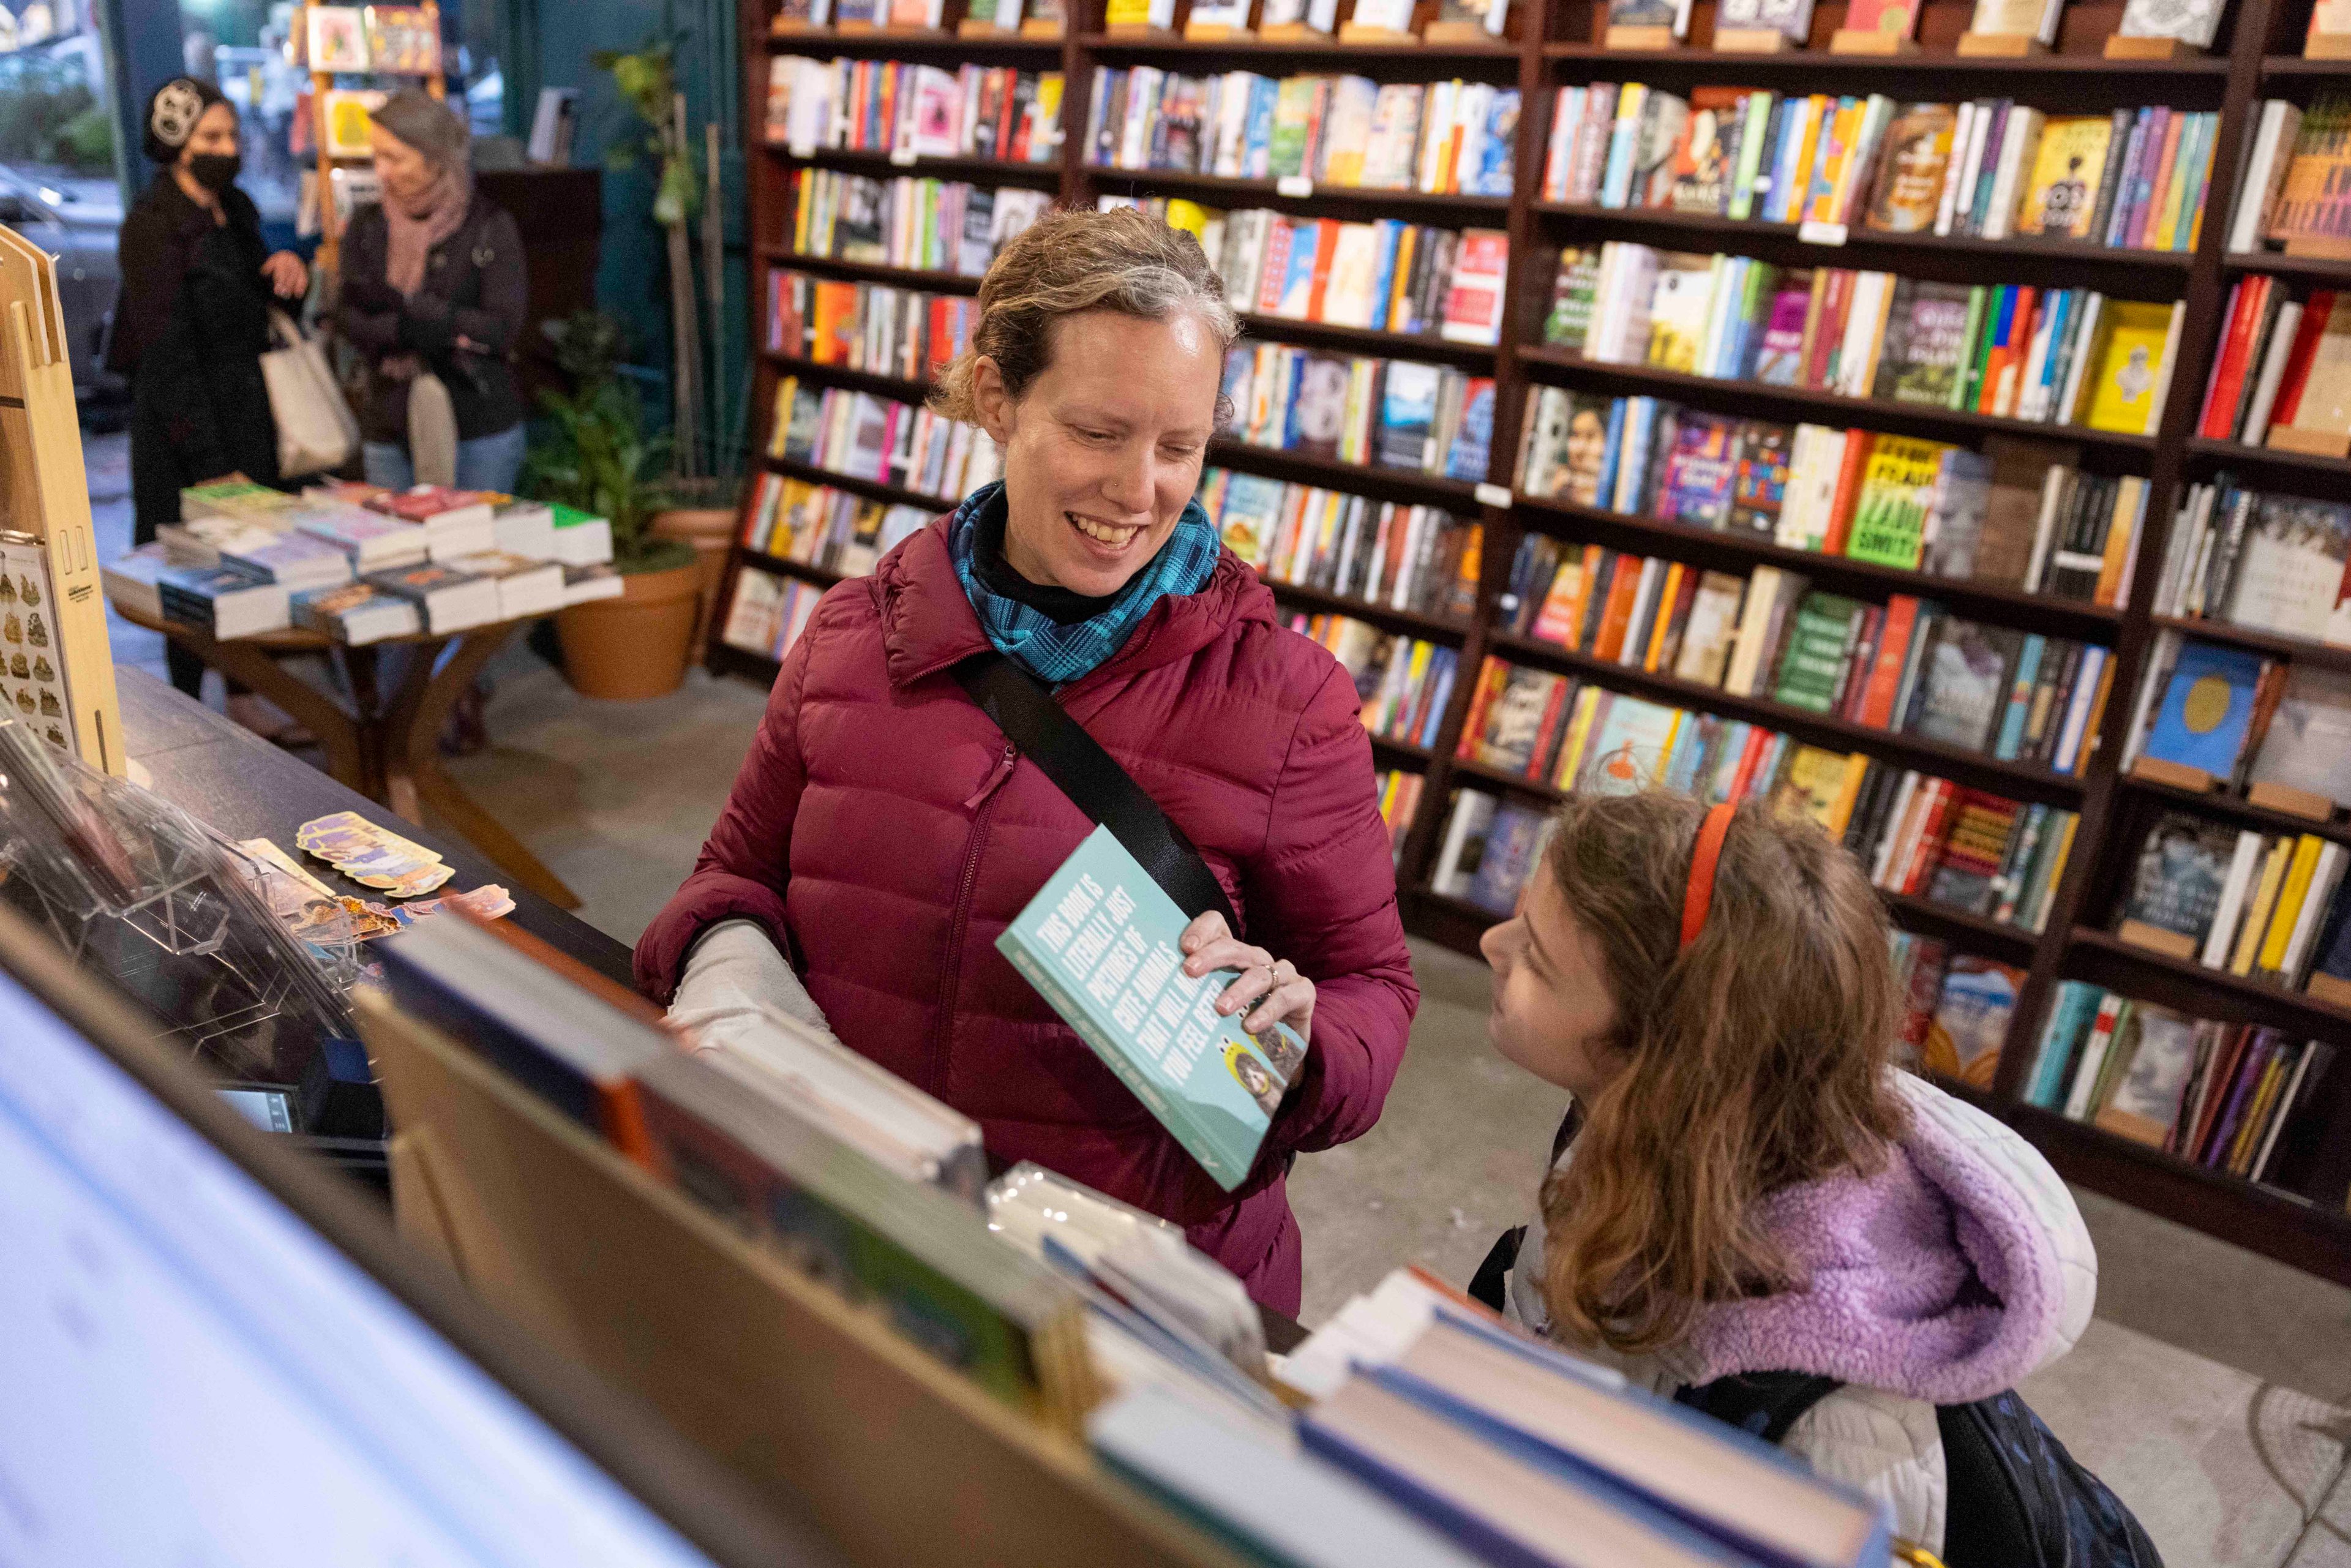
x=1948 y=1276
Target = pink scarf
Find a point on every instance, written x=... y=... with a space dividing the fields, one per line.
x=422 y=222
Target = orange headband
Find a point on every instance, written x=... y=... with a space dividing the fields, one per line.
x=1699 y=896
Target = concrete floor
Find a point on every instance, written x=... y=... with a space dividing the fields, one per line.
x=2213 y=1393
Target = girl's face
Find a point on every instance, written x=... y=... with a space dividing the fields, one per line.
x=1553 y=1013
x=1104 y=451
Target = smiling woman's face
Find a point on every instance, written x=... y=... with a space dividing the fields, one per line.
x=1104 y=451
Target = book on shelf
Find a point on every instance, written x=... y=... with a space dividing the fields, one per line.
x=932 y=225
x=2275 y=564
x=1975 y=1001
x=1360 y=411
x=908 y=333
x=1670 y=15
x=2213 y=1092
x=1405 y=683
x=2256 y=905
x=1417 y=559
x=1985 y=168
x=2193 y=22
x=1791 y=20
x=2277 y=127
x=402 y=40
x=1450 y=138
x=862 y=435
x=2036 y=19
x=2310 y=204
x=766 y=614
x=1101 y=944
x=2199 y=709
x=903 y=109
x=1399 y=794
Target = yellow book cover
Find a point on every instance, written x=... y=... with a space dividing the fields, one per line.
x=2063 y=195
x=1898 y=488
x=2130 y=367
x=1857 y=771
x=347 y=121
x=787 y=393
x=2257 y=913
x=2289 y=904
x=1817 y=110
x=2249 y=1131
x=1189 y=216
x=1128 y=13
x=1837 y=147
x=1812 y=786
x=1579 y=735
x=1667 y=592
x=1049 y=102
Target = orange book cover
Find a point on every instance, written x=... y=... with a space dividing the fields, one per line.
x=1857 y=447
x=1893 y=652
x=1616 y=614
x=1325 y=248
x=1759 y=740
x=1555 y=714
x=1490 y=676
x=1926 y=850
x=1668 y=595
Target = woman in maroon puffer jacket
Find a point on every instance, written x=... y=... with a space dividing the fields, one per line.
x=883 y=832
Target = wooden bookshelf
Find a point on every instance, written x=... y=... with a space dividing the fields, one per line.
x=1554 y=42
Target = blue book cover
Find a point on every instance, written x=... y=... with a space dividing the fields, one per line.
x=1613 y=445
x=1256 y=161
x=1473 y=442
x=1298 y=282
x=1390 y=235
x=2020 y=697
x=2076 y=1005
x=2208 y=708
x=1494 y=169
x=1100 y=943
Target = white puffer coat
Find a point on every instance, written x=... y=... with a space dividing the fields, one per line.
x=2009 y=1217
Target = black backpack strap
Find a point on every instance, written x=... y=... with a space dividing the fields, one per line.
x=1029 y=717
x=1767 y=1404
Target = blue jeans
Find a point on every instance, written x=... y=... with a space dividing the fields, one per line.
x=485 y=463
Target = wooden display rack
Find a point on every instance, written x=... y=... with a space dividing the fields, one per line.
x=2118 y=48
x=819 y=1407
x=1753 y=41
x=1547 y=49
x=330 y=232
x=45 y=492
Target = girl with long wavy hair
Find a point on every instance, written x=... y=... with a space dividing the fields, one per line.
x=1746 y=1184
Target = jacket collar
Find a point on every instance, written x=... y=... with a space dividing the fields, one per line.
x=929 y=624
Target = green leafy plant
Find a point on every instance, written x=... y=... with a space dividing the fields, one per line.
x=647 y=80
x=592 y=450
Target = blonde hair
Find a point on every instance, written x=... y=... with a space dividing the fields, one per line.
x=1755 y=1059
x=1070 y=262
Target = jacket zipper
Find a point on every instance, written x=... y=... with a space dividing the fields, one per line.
x=943 y=1033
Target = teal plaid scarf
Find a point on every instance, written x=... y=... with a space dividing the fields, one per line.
x=1058 y=654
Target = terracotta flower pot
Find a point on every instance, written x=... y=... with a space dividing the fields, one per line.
x=635 y=646
x=711 y=531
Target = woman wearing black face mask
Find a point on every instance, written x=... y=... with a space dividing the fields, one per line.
x=192 y=321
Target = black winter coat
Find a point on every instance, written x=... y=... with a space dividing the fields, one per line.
x=189 y=330
x=475 y=286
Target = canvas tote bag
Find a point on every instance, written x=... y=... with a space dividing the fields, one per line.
x=315 y=429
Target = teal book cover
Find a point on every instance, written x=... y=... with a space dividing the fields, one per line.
x=1100 y=943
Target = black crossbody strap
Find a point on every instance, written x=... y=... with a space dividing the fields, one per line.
x=1094 y=782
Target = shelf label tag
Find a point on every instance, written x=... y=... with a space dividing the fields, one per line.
x=1294 y=186
x=1493 y=495
x=904 y=158
x=1821 y=233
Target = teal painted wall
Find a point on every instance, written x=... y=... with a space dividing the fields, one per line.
x=550 y=43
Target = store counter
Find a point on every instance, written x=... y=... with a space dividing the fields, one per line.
x=224 y=775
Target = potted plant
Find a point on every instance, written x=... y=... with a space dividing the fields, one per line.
x=593 y=452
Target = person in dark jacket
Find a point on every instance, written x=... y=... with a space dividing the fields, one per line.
x=194 y=318
x=884 y=831
x=434 y=296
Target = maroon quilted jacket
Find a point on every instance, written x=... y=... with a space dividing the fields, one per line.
x=885 y=832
